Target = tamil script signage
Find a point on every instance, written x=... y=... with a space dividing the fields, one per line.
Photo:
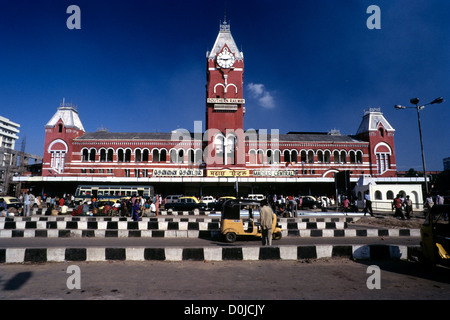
x=178 y=172
x=228 y=173
x=275 y=173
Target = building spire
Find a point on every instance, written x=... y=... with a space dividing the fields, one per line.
x=224 y=26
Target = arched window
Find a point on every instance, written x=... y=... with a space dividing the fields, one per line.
x=219 y=147
x=85 y=155
x=163 y=155
x=303 y=157
x=102 y=155
x=110 y=155
x=336 y=156
x=58 y=150
x=343 y=157
x=252 y=157
x=173 y=156
x=287 y=156
x=137 y=155
x=180 y=156
x=191 y=156
x=352 y=156
x=390 y=195
x=294 y=155
x=145 y=155
x=92 y=154
x=128 y=155
x=230 y=150
x=260 y=157
x=320 y=156
x=198 y=156
x=310 y=156
x=155 y=155
x=120 y=155
x=277 y=156
x=327 y=156
x=269 y=154
x=359 y=156
x=378 y=195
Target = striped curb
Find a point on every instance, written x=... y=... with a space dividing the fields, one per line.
x=213 y=234
x=357 y=252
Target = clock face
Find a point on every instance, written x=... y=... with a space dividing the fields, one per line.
x=225 y=59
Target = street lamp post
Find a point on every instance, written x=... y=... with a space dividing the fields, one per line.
x=415 y=101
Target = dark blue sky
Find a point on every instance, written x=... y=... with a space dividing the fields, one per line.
x=309 y=66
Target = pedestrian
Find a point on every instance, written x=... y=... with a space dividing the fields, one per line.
x=439 y=199
x=282 y=202
x=27 y=205
x=346 y=203
x=266 y=215
x=397 y=204
x=3 y=205
x=429 y=203
x=293 y=206
x=408 y=207
x=152 y=209
x=157 y=203
x=136 y=211
x=368 y=206
x=123 y=208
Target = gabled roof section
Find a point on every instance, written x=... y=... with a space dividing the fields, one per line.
x=371 y=121
x=225 y=38
x=69 y=116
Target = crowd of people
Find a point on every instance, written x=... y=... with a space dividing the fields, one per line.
x=135 y=207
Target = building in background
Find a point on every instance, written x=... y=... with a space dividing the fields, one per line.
x=224 y=159
x=446 y=163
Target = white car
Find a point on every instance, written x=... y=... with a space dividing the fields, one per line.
x=208 y=200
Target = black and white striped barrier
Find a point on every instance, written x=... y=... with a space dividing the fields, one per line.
x=357 y=252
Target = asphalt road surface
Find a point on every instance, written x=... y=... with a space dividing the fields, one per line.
x=341 y=279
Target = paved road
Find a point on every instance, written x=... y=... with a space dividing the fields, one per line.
x=340 y=279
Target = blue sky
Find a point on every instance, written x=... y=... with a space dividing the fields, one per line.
x=310 y=65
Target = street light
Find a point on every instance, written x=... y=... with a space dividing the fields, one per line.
x=415 y=101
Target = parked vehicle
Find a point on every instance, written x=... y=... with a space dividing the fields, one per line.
x=310 y=202
x=435 y=236
x=238 y=220
x=172 y=198
x=186 y=204
x=219 y=204
x=209 y=201
x=12 y=202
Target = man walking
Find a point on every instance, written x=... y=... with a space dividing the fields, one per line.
x=266 y=215
x=368 y=206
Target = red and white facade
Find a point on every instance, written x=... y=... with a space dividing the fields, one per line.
x=225 y=152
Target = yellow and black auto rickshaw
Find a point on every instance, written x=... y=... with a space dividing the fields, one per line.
x=238 y=219
x=435 y=234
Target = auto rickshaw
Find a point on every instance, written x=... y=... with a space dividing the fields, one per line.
x=238 y=219
x=435 y=234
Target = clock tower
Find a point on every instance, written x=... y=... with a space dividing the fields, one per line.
x=224 y=99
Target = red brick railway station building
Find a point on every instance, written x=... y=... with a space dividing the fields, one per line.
x=211 y=162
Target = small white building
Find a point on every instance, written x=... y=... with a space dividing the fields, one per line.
x=382 y=195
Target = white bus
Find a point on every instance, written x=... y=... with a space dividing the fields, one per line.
x=112 y=191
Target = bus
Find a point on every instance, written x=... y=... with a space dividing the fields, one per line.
x=103 y=192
